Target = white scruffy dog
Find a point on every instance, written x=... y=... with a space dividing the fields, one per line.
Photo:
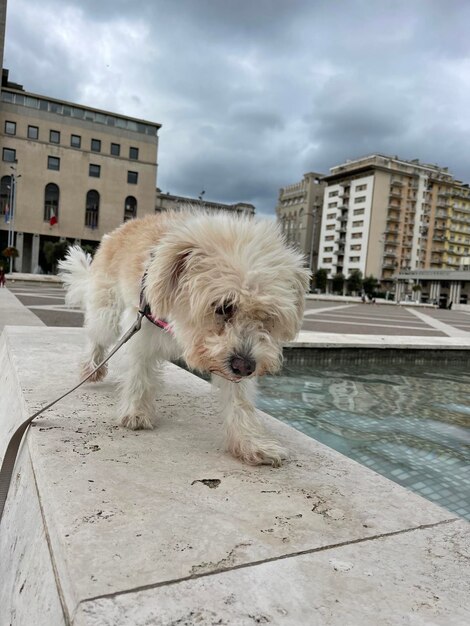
x=231 y=291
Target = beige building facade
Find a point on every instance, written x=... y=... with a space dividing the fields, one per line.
x=299 y=212
x=384 y=214
x=87 y=169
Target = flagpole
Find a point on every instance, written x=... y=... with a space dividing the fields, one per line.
x=10 y=200
x=11 y=229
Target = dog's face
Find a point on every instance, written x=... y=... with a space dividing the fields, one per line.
x=233 y=290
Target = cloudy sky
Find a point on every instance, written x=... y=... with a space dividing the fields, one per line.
x=254 y=93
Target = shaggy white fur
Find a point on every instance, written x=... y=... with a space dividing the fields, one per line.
x=232 y=291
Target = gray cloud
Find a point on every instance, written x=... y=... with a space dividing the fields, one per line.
x=252 y=94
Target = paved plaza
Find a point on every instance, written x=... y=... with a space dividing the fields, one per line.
x=46 y=301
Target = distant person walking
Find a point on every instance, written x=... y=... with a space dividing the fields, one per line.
x=2 y=276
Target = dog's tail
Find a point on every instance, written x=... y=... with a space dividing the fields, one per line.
x=75 y=272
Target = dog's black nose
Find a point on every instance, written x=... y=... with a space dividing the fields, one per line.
x=242 y=366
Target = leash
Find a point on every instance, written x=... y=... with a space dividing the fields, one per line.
x=8 y=464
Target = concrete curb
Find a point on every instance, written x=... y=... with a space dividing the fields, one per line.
x=34 y=278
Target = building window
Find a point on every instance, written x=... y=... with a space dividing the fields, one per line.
x=51 y=201
x=359 y=199
x=75 y=141
x=115 y=149
x=54 y=136
x=53 y=163
x=330 y=238
x=130 y=208
x=94 y=170
x=332 y=205
x=92 y=209
x=10 y=128
x=358 y=223
x=5 y=186
x=358 y=211
x=331 y=216
x=330 y=227
x=133 y=154
x=9 y=155
x=331 y=194
x=33 y=132
x=132 y=177
x=354 y=259
x=95 y=145
x=361 y=187
x=327 y=259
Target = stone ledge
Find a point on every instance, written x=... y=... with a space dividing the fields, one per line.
x=33 y=278
x=389 y=580
x=12 y=311
x=312 y=339
x=97 y=512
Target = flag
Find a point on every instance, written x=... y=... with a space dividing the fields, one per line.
x=53 y=218
x=7 y=214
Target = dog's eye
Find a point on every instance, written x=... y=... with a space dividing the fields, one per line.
x=226 y=309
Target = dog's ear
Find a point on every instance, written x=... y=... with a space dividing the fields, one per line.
x=300 y=284
x=165 y=271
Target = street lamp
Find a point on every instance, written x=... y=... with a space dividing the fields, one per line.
x=12 y=201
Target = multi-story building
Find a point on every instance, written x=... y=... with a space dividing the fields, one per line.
x=299 y=211
x=69 y=172
x=168 y=202
x=384 y=214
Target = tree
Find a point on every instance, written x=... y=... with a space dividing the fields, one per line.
x=89 y=249
x=54 y=252
x=354 y=281
x=416 y=290
x=321 y=276
x=370 y=284
x=10 y=253
x=338 y=282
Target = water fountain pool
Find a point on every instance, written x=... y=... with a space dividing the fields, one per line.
x=405 y=419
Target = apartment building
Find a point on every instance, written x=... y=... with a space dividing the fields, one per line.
x=383 y=214
x=299 y=211
x=69 y=172
x=168 y=202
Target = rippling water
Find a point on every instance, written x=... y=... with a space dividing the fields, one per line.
x=410 y=423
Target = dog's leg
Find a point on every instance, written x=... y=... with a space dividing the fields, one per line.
x=140 y=377
x=245 y=436
x=102 y=327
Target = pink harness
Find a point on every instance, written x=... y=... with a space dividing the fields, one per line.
x=144 y=309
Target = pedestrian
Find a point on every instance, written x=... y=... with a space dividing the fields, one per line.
x=2 y=276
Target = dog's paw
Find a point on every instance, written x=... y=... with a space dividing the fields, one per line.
x=136 y=422
x=87 y=369
x=259 y=452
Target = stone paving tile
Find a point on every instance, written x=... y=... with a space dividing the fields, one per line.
x=362 y=319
